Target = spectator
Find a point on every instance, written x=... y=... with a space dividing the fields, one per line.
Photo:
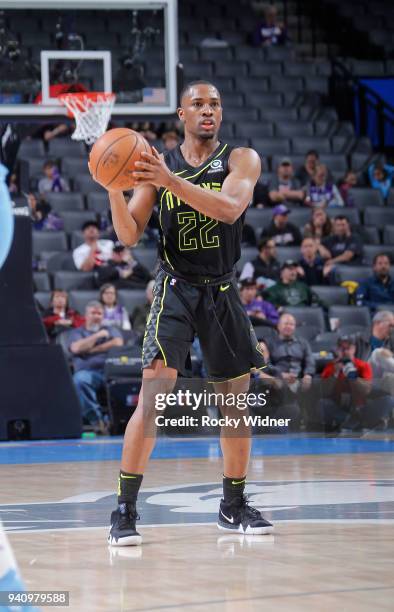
x=89 y=346
x=381 y=177
x=289 y=291
x=115 y=315
x=270 y=31
x=280 y=230
x=284 y=188
x=306 y=172
x=140 y=314
x=94 y=252
x=259 y=311
x=170 y=140
x=346 y=184
x=380 y=337
x=320 y=193
x=42 y=216
x=343 y=245
x=312 y=269
x=379 y=288
x=261 y=197
x=49 y=131
x=294 y=363
x=52 y=181
x=350 y=383
x=319 y=227
x=59 y=317
x=265 y=268
x=122 y=270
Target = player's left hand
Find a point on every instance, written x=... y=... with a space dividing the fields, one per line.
x=152 y=170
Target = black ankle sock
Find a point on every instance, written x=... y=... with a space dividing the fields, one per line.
x=128 y=487
x=233 y=487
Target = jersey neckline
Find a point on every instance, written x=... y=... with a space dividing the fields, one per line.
x=210 y=158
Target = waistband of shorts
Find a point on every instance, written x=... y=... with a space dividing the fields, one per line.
x=198 y=281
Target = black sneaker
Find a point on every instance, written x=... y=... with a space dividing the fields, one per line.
x=237 y=515
x=123 y=531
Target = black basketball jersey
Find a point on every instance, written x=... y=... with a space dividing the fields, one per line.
x=190 y=242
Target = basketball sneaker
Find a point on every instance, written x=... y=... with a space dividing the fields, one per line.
x=237 y=515
x=123 y=531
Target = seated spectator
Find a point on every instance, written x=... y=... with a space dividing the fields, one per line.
x=59 y=317
x=115 y=315
x=379 y=288
x=320 y=192
x=259 y=311
x=345 y=396
x=89 y=346
x=312 y=268
x=170 y=140
x=49 y=131
x=280 y=230
x=42 y=216
x=52 y=181
x=123 y=270
x=94 y=252
x=343 y=245
x=261 y=197
x=293 y=361
x=265 y=268
x=306 y=172
x=289 y=291
x=345 y=185
x=380 y=337
x=319 y=227
x=284 y=188
x=381 y=177
x=140 y=314
x=270 y=31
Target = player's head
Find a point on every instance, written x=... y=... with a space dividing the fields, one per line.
x=200 y=109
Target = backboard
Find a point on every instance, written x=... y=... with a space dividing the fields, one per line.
x=130 y=49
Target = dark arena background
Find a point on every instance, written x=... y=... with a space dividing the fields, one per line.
x=310 y=87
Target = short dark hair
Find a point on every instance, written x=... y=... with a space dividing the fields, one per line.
x=312 y=152
x=50 y=163
x=89 y=223
x=341 y=218
x=381 y=255
x=186 y=87
x=263 y=242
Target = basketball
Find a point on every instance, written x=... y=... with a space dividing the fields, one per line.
x=112 y=158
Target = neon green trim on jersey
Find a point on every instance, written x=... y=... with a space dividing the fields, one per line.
x=187 y=178
x=158 y=319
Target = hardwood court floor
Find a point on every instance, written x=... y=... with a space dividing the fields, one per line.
x=332 y=549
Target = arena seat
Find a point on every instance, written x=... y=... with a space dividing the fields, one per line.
x=49 y=241
x=68 y=280
x=31 y=149
x=255 y=130
x=262 y=69
x=331 y=296
x=41 y=281
x=237 y=115
x=229 y=68
x=65 y=147
x=65 y=200
x=130 y=299
x=289 y=252
x=371 y=250
x=286 y=83
x=352 y=214
x=381 y=217
x=74 y=219
x=278 y=114
x=98 y=201
x=289 y=129
x=300 y=69
x=388 y=234
x=353 y=273
x=79 y=299
x=43 y=298
x=146 y=257
x=364 y=197
x=251 y=85
x=247 y=254
x=370 y=235
x=264 y=100
x=307 y=316
x=350 y=315
x=58 y=261
x=303 y=144
x=74 y=165
x=85 y=184
x=271 y=146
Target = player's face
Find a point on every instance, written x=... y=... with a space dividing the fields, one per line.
x=201 y=111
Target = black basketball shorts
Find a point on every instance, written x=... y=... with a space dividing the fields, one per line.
x=214 y=313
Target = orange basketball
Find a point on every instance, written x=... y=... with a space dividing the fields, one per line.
x=113 y=155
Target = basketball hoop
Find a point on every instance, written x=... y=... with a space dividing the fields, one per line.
x=91 y=111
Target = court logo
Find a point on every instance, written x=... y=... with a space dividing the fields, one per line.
x=216 y=166
x=338 y=501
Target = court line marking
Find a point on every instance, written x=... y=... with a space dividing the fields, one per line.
x=261 y=597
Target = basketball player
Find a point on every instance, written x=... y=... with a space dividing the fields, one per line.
x=202 y=189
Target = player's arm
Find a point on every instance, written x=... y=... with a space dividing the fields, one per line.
x=226 y=205
x=130 y=219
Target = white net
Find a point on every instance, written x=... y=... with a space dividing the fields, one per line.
x=91 y=112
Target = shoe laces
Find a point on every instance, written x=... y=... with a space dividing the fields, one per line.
x=242 y=503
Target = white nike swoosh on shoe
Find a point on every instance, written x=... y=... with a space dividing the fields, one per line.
x=230 y=520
